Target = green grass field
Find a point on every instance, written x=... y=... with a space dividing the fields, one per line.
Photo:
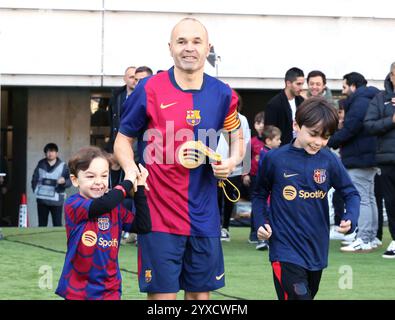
x=248 y=273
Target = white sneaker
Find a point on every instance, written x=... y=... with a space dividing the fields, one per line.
x=125 y=235
x=336 y=235
x=376 y=243
x=357 y=246
x=349 y=238
x=225 y=235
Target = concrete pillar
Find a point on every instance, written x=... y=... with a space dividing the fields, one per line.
x=59 y=115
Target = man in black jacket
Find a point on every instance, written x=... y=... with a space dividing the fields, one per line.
x=119 y=96
x=380 y=121
x=50 y=179
x=358 y=154
x=280 y=110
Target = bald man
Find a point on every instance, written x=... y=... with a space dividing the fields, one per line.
x=183 y=251
x=118 y=98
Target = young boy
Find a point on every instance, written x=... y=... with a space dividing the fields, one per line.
x=248 y=180
x=271 y=137
x=95 y=219
x=297 y=177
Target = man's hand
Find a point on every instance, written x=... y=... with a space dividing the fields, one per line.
x=224 y=169
x=61 y=180
x=264 y=233
x=132 y=176
x=344 y=227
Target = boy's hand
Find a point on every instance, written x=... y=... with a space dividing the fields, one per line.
x=344 y=227
x=142 y=177
x=264 y=233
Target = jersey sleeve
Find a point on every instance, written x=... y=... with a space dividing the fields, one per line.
x=134 y=112
x=141 y=220
x=77 y=211
x=262 y=191
x=127 y=218
x=232 y=121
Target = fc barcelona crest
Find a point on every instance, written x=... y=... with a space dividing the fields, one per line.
x=193 y=117
x=319 y=175
x=103 y=223
x=148 y=276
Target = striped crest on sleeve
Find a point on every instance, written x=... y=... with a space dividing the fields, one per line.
x=232 y=121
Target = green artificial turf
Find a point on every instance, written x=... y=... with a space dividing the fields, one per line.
x=32 y=261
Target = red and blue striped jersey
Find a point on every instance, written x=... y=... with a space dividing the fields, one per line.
x=163 y=116
x=91 y=269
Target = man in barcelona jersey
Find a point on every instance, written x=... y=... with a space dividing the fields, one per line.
x=183 y=251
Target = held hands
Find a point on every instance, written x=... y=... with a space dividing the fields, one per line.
x=344 y=227
x=131 y=176
x=61 y=180
x=224 y=169
x=138 y=177
x=142 y=176
x=264 y=233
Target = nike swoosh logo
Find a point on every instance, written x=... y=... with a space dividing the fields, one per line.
x=164 y=106
x=220 y=276
x=290 y=175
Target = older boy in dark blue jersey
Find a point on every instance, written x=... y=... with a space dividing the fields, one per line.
x=298 y=177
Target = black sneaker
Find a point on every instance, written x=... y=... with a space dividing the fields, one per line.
x=390 y=253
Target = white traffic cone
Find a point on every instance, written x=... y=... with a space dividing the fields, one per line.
x=23 y=218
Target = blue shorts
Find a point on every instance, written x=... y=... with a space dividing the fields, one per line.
x=169 y=262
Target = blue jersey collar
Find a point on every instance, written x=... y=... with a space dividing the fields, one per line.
x=173 y=81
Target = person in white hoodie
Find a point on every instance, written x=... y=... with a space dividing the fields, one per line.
x=225 y=205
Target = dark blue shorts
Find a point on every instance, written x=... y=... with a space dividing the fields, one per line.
x=168 y=263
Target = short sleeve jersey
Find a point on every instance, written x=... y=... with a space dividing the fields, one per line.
x=163 y=116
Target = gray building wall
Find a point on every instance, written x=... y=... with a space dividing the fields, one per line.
x=59 y=115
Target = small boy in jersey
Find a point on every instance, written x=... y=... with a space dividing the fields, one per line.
x=257 y=145
x=298 y=176
x=271 y=137
x=95 y=219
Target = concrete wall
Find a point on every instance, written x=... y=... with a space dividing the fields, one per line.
x=60 y=115
x=90 y=43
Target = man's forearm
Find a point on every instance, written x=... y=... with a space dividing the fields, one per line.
x=123 y=151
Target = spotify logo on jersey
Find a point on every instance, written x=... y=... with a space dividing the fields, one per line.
x=89 y=238
x=289 y=192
